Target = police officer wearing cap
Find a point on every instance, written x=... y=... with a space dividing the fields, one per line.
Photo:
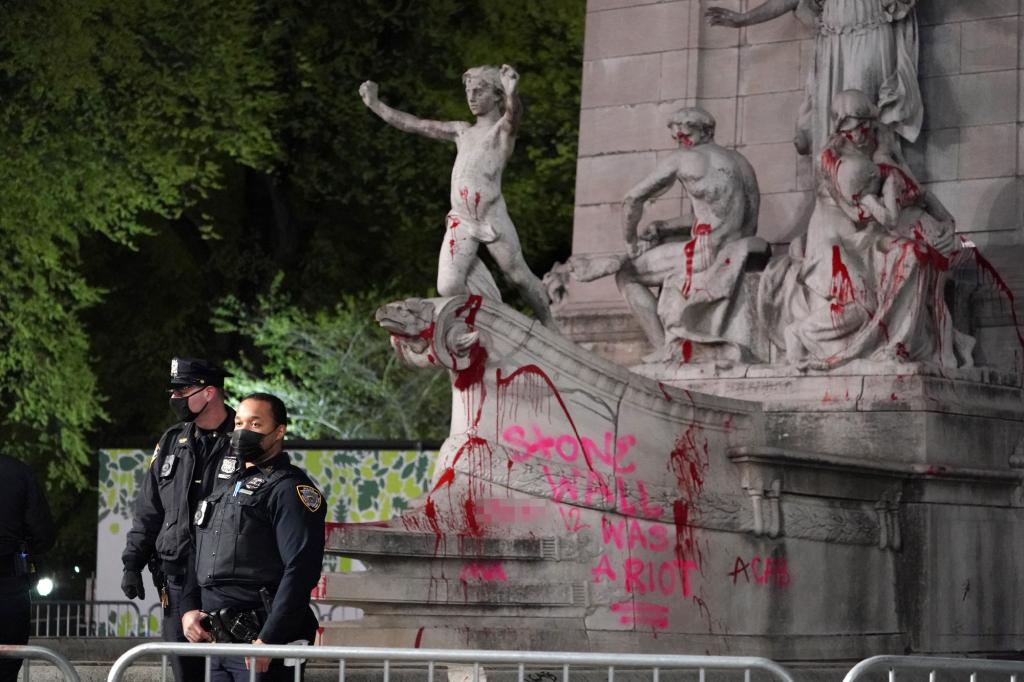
x=187 y=464
x=259 y=548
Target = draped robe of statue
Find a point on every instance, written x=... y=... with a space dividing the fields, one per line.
x=866 y=45
x=852 y=288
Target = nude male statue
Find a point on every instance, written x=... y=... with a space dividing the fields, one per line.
x=697 y=276
x=478 y=213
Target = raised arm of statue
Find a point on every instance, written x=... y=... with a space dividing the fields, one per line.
x=513 y=106
x=438 y=130
x=648 y=188
x=720 y=16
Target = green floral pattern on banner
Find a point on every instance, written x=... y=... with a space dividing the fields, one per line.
x=359 y=485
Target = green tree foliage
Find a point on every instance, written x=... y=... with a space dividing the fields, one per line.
x=161 y=155
x=110 y=113
x=331 y=369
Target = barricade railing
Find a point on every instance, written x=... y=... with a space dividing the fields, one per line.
x=520 y=661
x=933 y=665
x=38 y=653
x=85 y=619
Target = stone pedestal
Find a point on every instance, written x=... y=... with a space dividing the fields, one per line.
x=578 y=506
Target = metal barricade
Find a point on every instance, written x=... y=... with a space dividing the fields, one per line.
x=85 y=619
x=30 y=653
x=518 y=661
x=933 y=665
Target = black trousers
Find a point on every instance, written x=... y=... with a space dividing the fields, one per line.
x=186 y=668
x=14 y=621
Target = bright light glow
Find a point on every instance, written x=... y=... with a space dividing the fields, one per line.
x=44 y=587
x=77 y=569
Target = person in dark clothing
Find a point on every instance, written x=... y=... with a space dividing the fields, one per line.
x=259 y=548
x=26 y=529
x=187 y=464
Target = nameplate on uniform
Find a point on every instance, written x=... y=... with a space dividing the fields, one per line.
x=183 y=439
x=228 y=466
x=168 y=466
x=252 y=485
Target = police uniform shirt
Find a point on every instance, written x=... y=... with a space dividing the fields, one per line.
x=183 y=471
x=266 y=529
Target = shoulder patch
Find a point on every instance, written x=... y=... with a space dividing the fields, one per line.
x=309 y=496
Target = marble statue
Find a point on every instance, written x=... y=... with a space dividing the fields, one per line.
x=866 y=45
x=478 y=213
x=699 y=267
x=867 y=280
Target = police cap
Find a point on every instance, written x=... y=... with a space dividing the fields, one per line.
x=196 y=372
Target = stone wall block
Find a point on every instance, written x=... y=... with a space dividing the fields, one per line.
x=783 y=29
x=940 y=50
x=935 y=155
x=601 y=5
x=949 y=11
x=606 y=179
x=988 y=151
x=719 y=36
x=977 y=99
x=622 y=80
x=717 y=74
x=675 y=66
x=773 y=67
x=784 y=216
x=977 y=205
x=775 y=165
x=643 y=29
x=989 y=45
x=770 y=117
x=617 y=129
x=598 y=229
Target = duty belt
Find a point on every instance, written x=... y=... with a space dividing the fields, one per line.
x=231 y=625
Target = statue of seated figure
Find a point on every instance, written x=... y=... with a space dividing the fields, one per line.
x=698 y=266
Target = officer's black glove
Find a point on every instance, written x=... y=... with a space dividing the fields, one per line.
x=131 y=585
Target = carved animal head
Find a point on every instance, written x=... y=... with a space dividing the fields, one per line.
x=408 y=318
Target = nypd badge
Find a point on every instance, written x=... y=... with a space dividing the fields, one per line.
x=252 y=485
x=310 y=496
x=228 y=466
x=167 y=469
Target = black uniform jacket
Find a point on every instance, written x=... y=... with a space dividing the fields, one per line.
x=183 y=458
x=265 y=530
x=25 y=519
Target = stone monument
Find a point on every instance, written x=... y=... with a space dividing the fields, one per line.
x=849 y=492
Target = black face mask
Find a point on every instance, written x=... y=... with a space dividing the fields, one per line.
x=181 y=410
x=247 y=445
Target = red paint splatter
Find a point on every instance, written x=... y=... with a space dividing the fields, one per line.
x=534 y=370
x=683 y=139
x=446 y=479
x=700 y=232
x=668 y=398
x=842 y=291
x=453 y=222
x=910 y=192
x=419 y=639
x=464 y=193
x=901 y=352
x=430 y=511
x=687 y=347
x=474 y=373
x=471 y=307
x=728 y=261
x=471 y=522
x=428 y=333
x=476 y=206
x=893 y=396
x=1000 y=284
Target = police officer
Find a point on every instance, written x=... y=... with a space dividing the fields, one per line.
x=26 y=528
x=187 y=464
x=259 y=548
